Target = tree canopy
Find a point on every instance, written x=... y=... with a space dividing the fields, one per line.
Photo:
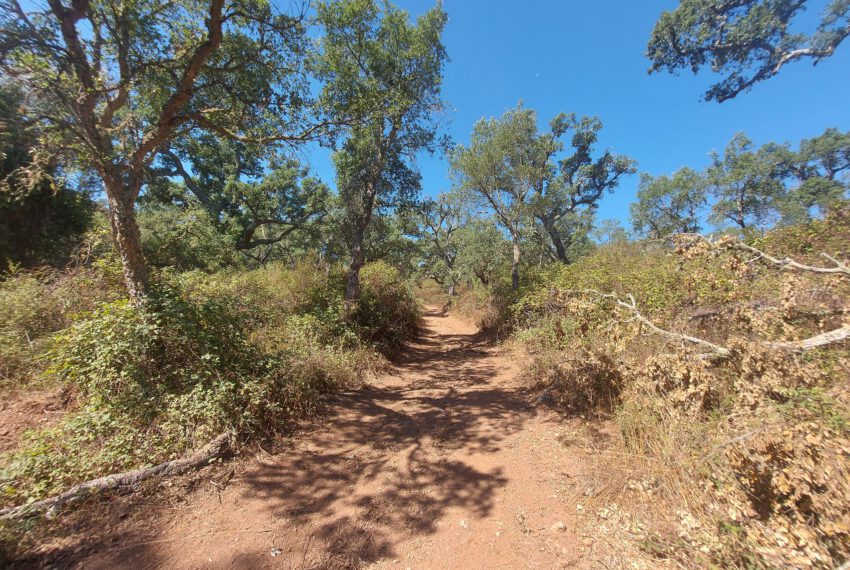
x=520 y=175
x=385 y=72
x=112 y=84
x=669 y=204
x=747 y=40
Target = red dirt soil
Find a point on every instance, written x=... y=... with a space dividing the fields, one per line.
x=22 y=412
x=442 y=463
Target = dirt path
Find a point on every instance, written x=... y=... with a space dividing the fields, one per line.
x=439 y=464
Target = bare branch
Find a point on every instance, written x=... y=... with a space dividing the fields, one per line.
x=837 y=335
x=167 y=119
x=786 y=263
x=840 y=334
x=631 y=305
x=311 y=133
x=127 y=480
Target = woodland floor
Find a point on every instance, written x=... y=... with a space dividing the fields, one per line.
x=441 y=463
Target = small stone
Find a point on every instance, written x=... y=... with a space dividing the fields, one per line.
x=275 y=551
x=558 y=527
x=587 y=541
x=464 y=524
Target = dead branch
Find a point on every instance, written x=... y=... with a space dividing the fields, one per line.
x=840 y=334
x=737 y=439
x=127 y=481
x=837 y=335
x=839 y=267
x=631 y=305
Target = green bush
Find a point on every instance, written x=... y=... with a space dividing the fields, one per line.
x=33 y=306
x=387 y=311
x=185 y=239
x=158 y=380
x=239 y=351
x=28 y=311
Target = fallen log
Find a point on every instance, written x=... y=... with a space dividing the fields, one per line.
x=127 y=481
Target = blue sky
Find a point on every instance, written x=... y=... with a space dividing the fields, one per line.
x=587 y=57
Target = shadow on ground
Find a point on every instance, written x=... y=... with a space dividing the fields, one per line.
x=383 y=466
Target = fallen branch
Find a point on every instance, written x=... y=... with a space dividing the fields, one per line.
x=840 y=334
x=631 y=305
x=837 y=335
x=124 y=482
x=785 y=263
x=737 y=439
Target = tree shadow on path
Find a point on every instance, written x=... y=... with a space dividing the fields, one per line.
x=390 y=463
x=381 y=470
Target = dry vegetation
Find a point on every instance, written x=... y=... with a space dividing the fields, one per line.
x=733 y=444
x=241 y=352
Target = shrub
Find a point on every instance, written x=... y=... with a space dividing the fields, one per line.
x=486 y=307
x=387 y=311
x=583 y=382
x=33 y=306
x=28 y=311
x=158 y=380
x=245 y=352
x=749 y=450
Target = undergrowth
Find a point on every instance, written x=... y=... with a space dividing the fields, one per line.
x=246 y=352
x=741 y=461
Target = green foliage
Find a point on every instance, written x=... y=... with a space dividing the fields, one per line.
x=744 y=184
x=261 y=205
x=33 y=306
x=749 y=40
x=818 y=175
x=27 y=312
x=387 y=312
x=749 y=187
x=667 y=205
x=244 y=351
x=809 y=241
x=185 y=239
x=145 y=75
x=493 y=170
x=41 y=217
x=386 y=72
x=520 y=176
x=437 y=225
x=651 y=274
x=568 y=194
x=484 y=255
x=153 y=382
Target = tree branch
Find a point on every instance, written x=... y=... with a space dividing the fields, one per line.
x=840 y=334
x=127 y=480
x=786 y=263
x=167 y=119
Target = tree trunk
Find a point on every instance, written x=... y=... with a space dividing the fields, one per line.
x=515 y=266
x=128 y=242
x=560 y=250
x=741 y=218
x=358 y=258
x=452 y=291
